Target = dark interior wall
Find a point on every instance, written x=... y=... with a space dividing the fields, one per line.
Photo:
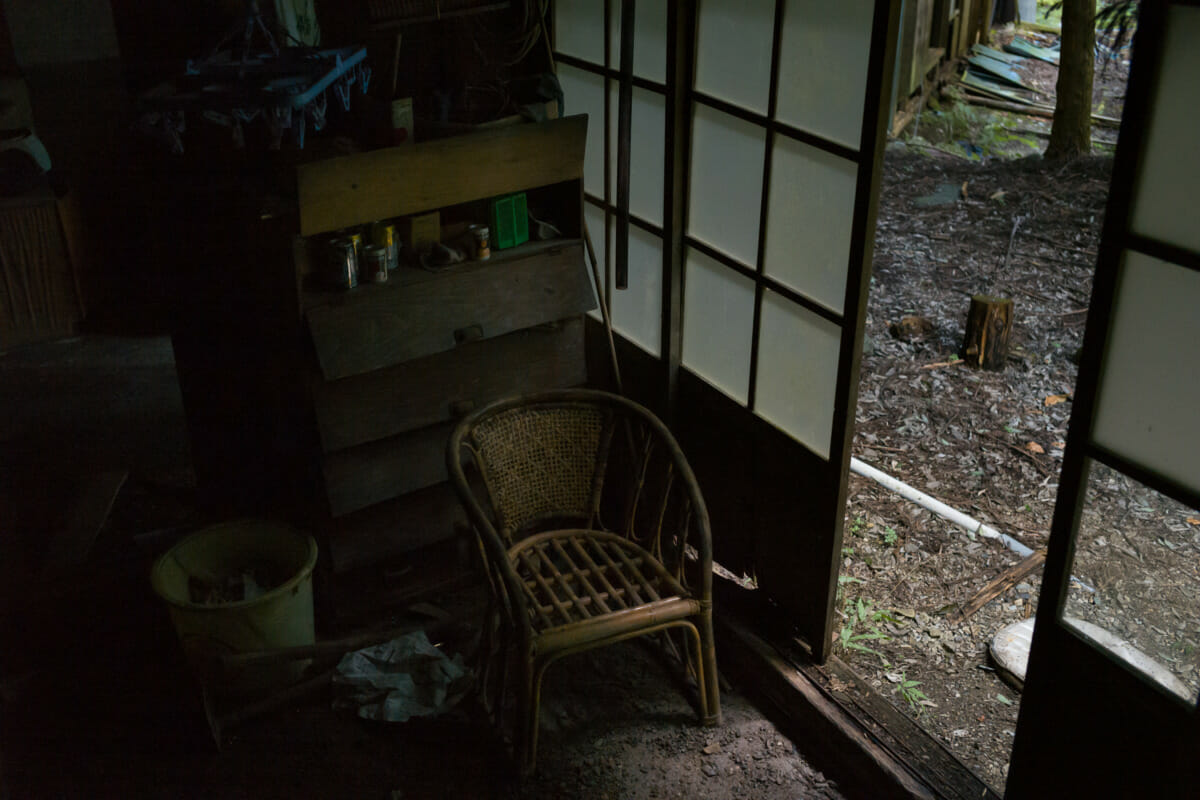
x=157 y=36
x=60 y=31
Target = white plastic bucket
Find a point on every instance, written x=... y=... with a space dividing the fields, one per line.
x=272 y=564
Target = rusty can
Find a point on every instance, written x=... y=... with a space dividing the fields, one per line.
x=375 y=263
x=383 y=234
x=341 y=264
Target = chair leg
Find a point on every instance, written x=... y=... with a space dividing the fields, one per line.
x=527 y=718
x=530 y=741
x=709 y=683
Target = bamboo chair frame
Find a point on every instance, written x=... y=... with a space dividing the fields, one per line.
x=550 y=469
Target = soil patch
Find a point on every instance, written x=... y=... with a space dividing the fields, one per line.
x=988 y=443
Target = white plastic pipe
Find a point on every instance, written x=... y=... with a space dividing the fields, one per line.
x=944 y=511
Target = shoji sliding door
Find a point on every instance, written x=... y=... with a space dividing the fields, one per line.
x=756 y=137
x=587 y=51
x=1111 y=707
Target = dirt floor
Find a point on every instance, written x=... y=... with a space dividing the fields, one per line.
x=95 y=700
x=613 y=727
x=991 y=443
x=987 y=443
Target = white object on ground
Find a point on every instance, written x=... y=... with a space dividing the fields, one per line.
x=1125 y=651
x=944 y=511
x=1010 y=649
x=394 y=681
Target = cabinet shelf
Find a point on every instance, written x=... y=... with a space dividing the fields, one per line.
x=407 y=276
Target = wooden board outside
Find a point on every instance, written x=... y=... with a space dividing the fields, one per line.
x=920 y=47
x=389 y=325
x=438 y=388
x=395 y=181
x=372 y=473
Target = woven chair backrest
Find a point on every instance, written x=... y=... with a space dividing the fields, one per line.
x=540 y=463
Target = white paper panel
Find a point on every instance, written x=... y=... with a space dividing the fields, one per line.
x=1151 y=583
x=637 y=311
x=1165 y=204
x=583 y=93
x=646 y=142
x=1150 y=382
x=797 y=372
x=593 y=217
x=725 y=184
x=733 y=51
x=579 y=29
x=718 y=324
x=809 y=217
x=649 y=40
x=823 y=67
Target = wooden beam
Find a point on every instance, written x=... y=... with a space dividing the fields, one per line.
x=340 y=192
x=1001 y=584
x=1034 y=110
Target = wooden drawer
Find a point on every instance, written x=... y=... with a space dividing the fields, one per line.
x=437 y=388
x=399 y=526
x=377 y=326
x=371 y=473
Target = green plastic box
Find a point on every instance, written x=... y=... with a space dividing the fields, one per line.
x=510 y=221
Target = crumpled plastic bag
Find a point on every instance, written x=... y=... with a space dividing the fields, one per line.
x=400 y=679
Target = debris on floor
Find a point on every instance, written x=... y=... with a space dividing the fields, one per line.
x=400 y=679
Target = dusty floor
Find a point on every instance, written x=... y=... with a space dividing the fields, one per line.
x=96 y=701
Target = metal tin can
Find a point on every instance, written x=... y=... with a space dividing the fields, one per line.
x=479 y=234
x=357 y=239
x=342 y=264
x=375 y=263
x=383 y=234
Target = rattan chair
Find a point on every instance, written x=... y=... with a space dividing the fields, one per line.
x=593 y=531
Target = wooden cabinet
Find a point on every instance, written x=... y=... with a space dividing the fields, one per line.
x=332 y=408
x=387 y=369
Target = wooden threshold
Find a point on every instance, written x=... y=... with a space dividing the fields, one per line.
x=851 y=733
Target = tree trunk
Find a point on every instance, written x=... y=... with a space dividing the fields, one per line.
x=989 y=323
x=1071 y=135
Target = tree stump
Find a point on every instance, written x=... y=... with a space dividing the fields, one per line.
x=989 y=322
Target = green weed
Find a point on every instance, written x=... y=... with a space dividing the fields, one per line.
x=860 y=625
x=912 y=695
